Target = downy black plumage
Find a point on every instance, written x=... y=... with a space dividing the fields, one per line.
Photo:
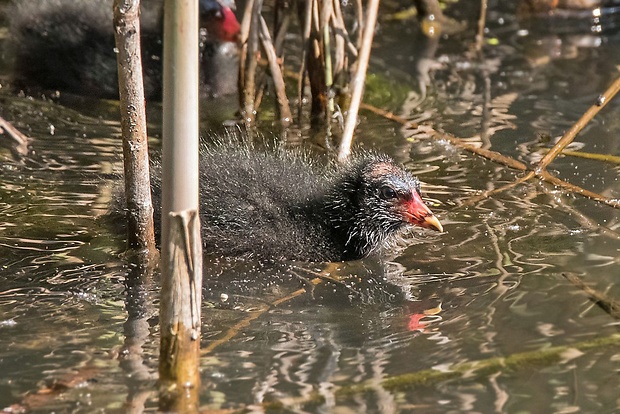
x=278 y=205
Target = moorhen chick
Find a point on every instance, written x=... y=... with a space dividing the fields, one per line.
x=68 y=45
x=279 y=205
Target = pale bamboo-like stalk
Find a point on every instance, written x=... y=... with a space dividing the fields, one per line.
x=181 y=297
x=357 y=83
x=181 y=264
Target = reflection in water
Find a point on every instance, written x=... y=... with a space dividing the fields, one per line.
x=330 y=333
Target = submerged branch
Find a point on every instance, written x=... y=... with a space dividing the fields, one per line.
x=469 y=371
x=579 y=216
x=593 y=156
x=611 y=306
x=479 y=369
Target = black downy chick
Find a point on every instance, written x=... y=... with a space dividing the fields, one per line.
x=278 y=205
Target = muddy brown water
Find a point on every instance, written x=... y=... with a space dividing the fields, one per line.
x=492 y=285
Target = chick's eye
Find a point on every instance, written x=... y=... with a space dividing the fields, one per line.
x=387 y=193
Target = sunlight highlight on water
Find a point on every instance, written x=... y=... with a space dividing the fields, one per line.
x=492 y=286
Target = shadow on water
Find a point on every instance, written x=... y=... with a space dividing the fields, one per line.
x=76 y=335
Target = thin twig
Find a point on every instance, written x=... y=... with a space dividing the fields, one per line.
x=551 y=179
x=276 y=74
x=315 y=66
x=485 y=120
x=492 y=155
x=481 y=25
x=570 y=135
x=583 y=220
x=486 y=153
x=244 y=32
x=486 y=194
x=250 y=60
x=360 y=23
x=501 y=159
x=281 y=29
x=319 y=277
x=19 y=141
x=236 y=328
x=326 y=13
x=305 y=49
x=342 y=39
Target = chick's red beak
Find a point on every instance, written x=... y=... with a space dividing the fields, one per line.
x=419 y=214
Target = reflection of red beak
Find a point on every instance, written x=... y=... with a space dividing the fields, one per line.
x=419 y=214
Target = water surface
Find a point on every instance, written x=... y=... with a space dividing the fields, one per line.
x=77 y=336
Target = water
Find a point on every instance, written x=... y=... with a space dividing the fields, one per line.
x=77 y=336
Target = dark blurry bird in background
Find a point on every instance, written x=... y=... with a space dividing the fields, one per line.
x=68 y=45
